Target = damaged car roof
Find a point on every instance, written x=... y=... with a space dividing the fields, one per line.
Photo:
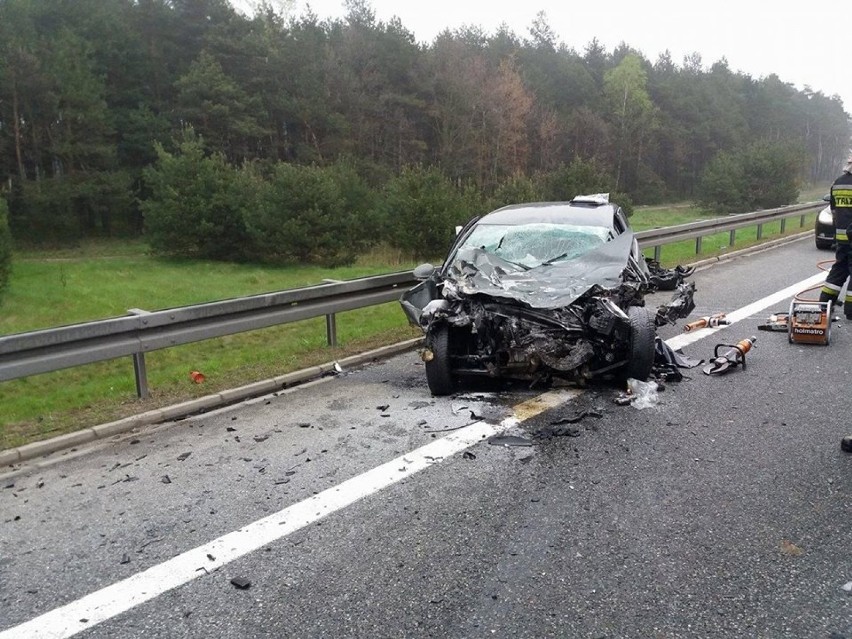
x=553 y=213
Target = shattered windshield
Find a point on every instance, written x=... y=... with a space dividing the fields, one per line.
x=531 y=245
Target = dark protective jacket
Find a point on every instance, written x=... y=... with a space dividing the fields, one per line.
x=841 y=207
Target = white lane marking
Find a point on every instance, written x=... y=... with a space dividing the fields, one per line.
x=120 y=597
x=679 y=341
x=124 y=595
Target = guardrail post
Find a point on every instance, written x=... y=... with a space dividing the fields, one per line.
x=331 y=329
x=783 y=224
x=140 y=371
x=658 y=249
x=331 y=321
x=759 y=231
x=801 y=220
x=697 y=245
x=733 y=237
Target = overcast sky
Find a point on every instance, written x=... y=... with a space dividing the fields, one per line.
x=798 y=41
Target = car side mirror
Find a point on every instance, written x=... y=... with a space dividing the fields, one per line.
x=424 y=271
x=826 y=198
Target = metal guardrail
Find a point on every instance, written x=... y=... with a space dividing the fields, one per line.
x=658 y=237
x=53 y=349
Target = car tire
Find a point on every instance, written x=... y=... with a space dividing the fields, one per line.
x=642 y=348
x=824 y=245
x=439 y=374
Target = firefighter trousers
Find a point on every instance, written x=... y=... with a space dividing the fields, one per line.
x=840 y=271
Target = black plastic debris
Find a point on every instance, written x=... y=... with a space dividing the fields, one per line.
x=846 y=444
x=134 y=441
x=260 y=438
x=241 y=582
x=468 y=455
x=304 y=424
x=549 y=432
x=573 y=419
x=230 y=429
x=183 y=456
x=383 y=407
x=211 y=557
x=125 y=559
x=509 y=441
x=667 y=361
x=667 y=279
x=166 y=479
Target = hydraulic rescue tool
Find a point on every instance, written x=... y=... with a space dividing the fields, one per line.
x=809 y=322
x=710 y=321
x=731 y=358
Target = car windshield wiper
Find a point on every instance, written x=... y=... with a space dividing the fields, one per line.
x=523 y=266
x=554 y=259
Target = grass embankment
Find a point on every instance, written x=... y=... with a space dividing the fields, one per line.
x=105 y=279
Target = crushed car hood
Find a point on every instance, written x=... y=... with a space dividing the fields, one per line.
x=549 y=286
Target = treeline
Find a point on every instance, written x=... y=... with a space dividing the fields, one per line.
x=307 y=130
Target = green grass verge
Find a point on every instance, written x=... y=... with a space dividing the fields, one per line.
x=105 y=278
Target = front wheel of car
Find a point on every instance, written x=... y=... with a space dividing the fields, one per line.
x=438 y=372
x=642 y=336
x=824 y=245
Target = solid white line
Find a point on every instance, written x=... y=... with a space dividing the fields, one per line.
x=120 y=597
x=124 y=595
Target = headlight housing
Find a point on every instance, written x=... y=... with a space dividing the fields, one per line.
x=825 y=216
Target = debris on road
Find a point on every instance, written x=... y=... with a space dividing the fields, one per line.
x=509 y=441
x=668 y=361
x=125 y=559
x=730 y=359
x=573 y=419
x=846 y=444
x=468 y=455
x=241 y=582
x=639 y=394
x=166 y=479
x=549 y=432
x=790 y=549
x=183 y=456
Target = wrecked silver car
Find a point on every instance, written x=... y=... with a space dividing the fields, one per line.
x=542 y=290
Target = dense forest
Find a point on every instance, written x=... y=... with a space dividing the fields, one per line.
x=132 y=116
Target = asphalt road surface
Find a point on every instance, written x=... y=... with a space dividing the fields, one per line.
x=360 y=506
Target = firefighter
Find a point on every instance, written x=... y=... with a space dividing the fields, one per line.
x=841 y=210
